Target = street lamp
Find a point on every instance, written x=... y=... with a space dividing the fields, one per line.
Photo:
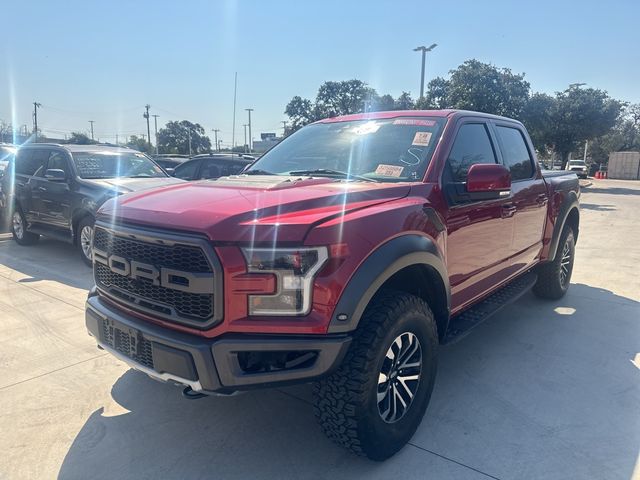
x=424 y=51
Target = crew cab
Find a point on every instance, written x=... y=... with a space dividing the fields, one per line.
x=55 y=190
x=343 y=256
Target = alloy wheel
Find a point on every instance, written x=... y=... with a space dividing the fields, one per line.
x=399 y=377
x=86 y=238
x=565 y=264
x=18 y=227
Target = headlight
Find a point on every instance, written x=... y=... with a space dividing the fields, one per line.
x=294 y=269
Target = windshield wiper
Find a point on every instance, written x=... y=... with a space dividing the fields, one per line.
x=257 y=171
x=331 y=173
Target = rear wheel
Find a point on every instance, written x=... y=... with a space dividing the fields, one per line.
x=85 y=240
x=554 y=277
x=375 y=401
x=19 y=229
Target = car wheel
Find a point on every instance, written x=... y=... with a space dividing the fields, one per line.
x=374 y=402
x=554 y=277
x=19 y=229
x=85 y=240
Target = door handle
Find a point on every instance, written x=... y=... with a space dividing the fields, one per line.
x=508 y=210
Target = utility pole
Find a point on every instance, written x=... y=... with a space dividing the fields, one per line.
x=189 y=131
x=91 y=122
x=146 y=115
x=284 y=127
x=245 y=136
x=424 y=51
x=155 y=124
x=116 y=139
x=36 y=105
x=586 y=147
x=215 y=132
x=250 y=141
x=219 y=144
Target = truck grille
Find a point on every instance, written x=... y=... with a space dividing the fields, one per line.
x=141 y=293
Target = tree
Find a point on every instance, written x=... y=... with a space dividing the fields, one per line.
x=175 y=137
x=404 y=102
x=300 y=112
x=139 y=143
x=481 y=87
x=80 y=138
x=564 y=122
x=624 y=136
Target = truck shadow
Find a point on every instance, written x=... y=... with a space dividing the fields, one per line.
x=612 y=190
x=538 y=382
x=597 y=208
x=46 y=260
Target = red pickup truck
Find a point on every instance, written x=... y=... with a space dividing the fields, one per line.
x=344 y=256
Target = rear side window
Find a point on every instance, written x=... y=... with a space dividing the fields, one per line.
x=186 y=171
x=472 y=145
x=58 y=161
x=30 y=161
x=217 y=169
x=515 y=153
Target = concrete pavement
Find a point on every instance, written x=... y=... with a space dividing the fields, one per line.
x=542 y=390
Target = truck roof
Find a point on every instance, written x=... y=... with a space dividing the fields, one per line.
x=412 y=113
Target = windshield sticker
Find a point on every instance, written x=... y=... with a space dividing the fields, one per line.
x=414 y=121
x=389 y=170
x=422 y=139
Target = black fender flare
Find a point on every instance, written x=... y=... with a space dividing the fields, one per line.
x=569 y=203
x=377 y=268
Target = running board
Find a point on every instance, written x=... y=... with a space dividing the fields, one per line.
x=462 y=324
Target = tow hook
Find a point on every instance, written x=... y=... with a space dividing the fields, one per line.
x=189 y=393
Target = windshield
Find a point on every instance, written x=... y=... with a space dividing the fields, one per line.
x=111 y=165
x=384 y=150
x=576 y=162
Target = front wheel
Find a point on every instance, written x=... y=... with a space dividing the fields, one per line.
x=85 y=240
x=375 y=401
x=19 y=229
x=554 y=277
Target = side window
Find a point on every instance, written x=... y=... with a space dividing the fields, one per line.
x=472 y=145
x=31 y=161
x=58 y=161
x=186 y=171
x=235 y=168
x=515 y=153
x=211 y=169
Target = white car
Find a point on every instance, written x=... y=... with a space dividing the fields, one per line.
x=578 y=167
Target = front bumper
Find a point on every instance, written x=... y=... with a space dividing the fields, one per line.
x=210 y=366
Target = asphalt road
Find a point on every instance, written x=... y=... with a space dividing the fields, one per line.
x=542 y=390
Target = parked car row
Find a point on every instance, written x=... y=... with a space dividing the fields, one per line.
x=56 y=190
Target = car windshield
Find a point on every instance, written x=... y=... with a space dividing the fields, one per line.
x=396 y=149
x=115 y=164
x=576 y=162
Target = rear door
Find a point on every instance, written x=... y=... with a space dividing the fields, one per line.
x=528 y=192
x=29 y=163
x=479 y=232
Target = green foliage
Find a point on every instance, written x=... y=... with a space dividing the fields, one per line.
x=480 y=87
x=174 y=138
x=79 y=138
x=563 y=123
x=139 y=143
x=624 y=136
x=342 y=98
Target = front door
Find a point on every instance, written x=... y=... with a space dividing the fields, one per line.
x=55 y=197
x=479 y=232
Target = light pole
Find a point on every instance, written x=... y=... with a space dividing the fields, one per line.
x=91 y=122
x=250 y=142
x=215 y=132
x=245 y=136
x=424 y=51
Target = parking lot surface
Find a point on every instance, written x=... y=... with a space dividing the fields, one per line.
x=541 y=390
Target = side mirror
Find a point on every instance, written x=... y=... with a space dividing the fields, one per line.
x=488 y=181
x=55 y=175
x=170 y=171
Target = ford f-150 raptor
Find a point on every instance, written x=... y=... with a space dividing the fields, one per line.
x=344 y=256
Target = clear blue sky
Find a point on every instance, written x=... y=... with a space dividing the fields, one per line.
x=102 y=61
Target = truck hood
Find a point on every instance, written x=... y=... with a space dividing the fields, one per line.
x=248 y=208
x=127 y=185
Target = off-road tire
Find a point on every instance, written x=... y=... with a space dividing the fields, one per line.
x=86 y=222
x=345 y=403
x=551 y=284
x=22 y=237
